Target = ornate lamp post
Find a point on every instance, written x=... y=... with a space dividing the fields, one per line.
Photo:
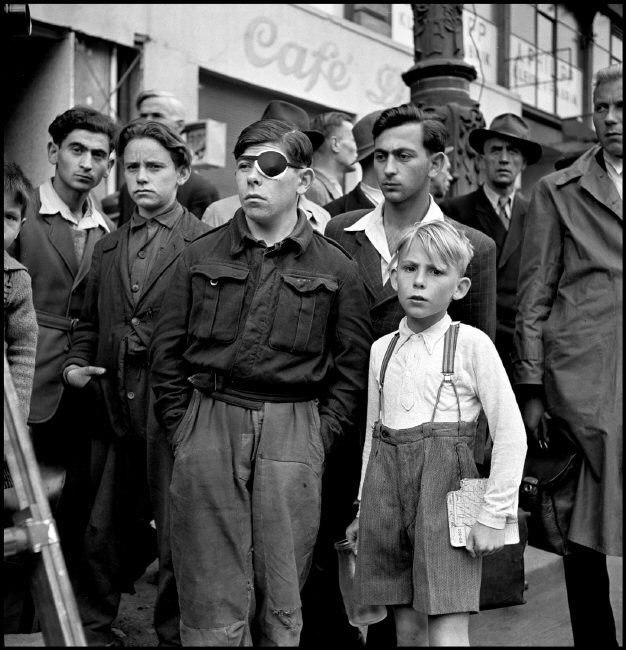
x=439 y=82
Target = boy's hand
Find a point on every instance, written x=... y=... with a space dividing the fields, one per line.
x=79 y=377
x=484 y=540
x=352 y=531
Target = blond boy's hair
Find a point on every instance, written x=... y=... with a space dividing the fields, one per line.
x=441 y=241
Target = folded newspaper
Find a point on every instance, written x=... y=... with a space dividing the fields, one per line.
x=463 y=508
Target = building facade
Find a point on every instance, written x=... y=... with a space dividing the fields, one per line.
x=226 y=61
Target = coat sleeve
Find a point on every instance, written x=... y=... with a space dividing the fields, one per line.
x=541 y=265
x=168 y=343
x=85 y=336
x=341 y=407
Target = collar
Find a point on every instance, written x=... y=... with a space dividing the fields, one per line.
x=11 y=264
x=327 y=180
x=433 y=213
x=494 y=197
x=167 y=219
x=430 y=336
x=616 y=163
x=240 y=235
x=52 y=203
x=374 y=194
x=315 y=213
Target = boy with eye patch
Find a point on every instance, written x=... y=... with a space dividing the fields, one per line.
x=259 y=365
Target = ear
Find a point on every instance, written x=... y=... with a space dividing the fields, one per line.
x=306 y=179
x=437 y=163
x=393 y=278
x=334 y=143
x=53 y=153
x=183 y=175
x=462 y=287
x=110 y=164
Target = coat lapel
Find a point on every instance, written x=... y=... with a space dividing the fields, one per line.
x=93 y=235
x=120 y=261
x=61 y=239
x=513 y=239
x=368 y=260
x=489 y=221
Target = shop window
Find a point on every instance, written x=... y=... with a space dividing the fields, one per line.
x=544 y=58
x=376 y=17
x=607 y=42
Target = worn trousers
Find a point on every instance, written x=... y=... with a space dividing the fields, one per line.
x=245 y=502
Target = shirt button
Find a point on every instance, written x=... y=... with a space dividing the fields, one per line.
x=130 y=394
x=141 y=254
x=134 y=321
x=135 y=288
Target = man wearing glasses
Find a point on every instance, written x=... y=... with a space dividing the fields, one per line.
x=259 y=362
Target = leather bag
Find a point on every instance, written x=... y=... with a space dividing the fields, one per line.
x=549 y=487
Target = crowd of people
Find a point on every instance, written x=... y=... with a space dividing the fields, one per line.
x=231 y=386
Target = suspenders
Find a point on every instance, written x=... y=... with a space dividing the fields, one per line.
x=447 y=366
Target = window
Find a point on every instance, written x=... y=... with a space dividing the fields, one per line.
x=544 y=58
x=607 y=43
x=376 y=17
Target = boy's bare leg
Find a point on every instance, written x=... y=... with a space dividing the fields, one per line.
x=449 y=629
x=411 y=626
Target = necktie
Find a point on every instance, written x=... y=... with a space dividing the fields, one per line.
x=503 y=201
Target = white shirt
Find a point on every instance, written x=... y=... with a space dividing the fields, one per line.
x=223 y=210
x=372 y=224
x=412 y=380
x=614 y=168
x=374 y=194
x=52 y=203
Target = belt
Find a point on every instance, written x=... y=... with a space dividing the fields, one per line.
x=211 y=383
x=54 y=321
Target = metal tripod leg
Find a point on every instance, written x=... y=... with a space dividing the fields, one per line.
x=35 y=531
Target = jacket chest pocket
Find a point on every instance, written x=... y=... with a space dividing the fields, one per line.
x=218 y=291
x=301 y=314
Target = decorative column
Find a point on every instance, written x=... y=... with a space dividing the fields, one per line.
x=439 y=82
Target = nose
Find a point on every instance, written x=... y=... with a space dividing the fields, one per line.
x=390 y=166
x=419 y=279
x=505 y=155
x=86 y=160
x=142 y=177
x=253 y=177
x=611 y=115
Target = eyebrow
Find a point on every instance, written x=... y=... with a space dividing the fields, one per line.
x=395 y=151
x=74 y=143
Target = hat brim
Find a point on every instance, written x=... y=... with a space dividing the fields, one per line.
x=365 y=151
x=316 y=138
x=532 y=150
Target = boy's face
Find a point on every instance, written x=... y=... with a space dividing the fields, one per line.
x=425 y=286
x=269 y=201
x=12 y=219
x=82 y=160
x=151 y=176
x=403 y=166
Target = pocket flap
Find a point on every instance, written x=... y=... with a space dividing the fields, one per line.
x=217 y=271
x=307 y=285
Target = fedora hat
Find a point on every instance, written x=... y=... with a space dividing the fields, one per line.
x=362 y=132
x=279 y=110
x=513 y=128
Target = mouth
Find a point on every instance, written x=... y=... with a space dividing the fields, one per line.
x=81 y=177
x=253 y=197
x=417 y=299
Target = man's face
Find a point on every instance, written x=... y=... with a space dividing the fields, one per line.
x=82 y=160
x=346 y=146
x=403 y=166
x=269 y=200
x=607 y=116
x=160 y=109
x=503 y=162
x=151 y=176
x=12 y=219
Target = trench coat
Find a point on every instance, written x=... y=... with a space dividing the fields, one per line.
x=569 y=332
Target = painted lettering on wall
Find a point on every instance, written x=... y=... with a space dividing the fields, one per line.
x=294 y=59
x=391 y=90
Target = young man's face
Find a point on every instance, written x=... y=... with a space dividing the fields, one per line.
x=151 y=176
x=608 y=102
x=503 y=162
x=12 y=219
x=425 y=286
x=82 y=160
x=269 y=201
x=403 y=166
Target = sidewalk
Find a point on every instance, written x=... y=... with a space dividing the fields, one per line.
x=544 y=619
